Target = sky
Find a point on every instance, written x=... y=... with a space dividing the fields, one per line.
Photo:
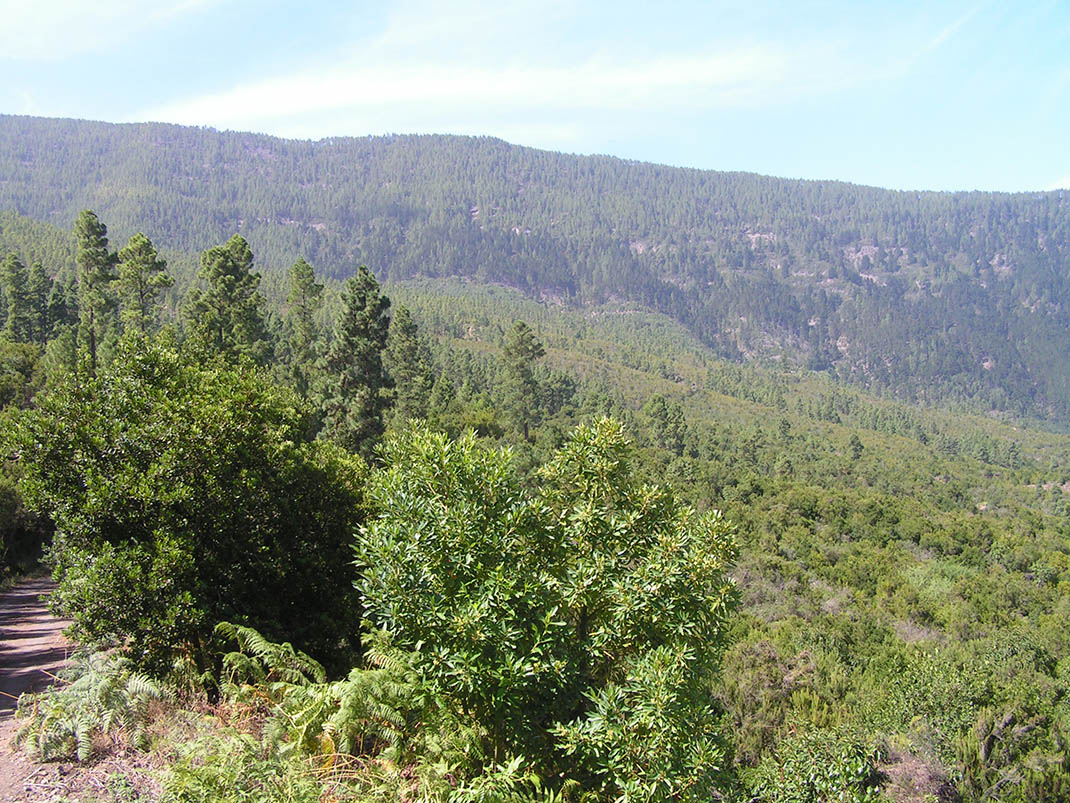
x=907 y=95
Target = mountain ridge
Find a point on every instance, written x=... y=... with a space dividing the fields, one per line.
x=922 y=295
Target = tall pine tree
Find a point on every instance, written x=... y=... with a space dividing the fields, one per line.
x=520 y=351
x=304 y=300
x=95 y=276
x=225 y=315
x=407 y=360
x=142 y=277
x=13 y=280
x=356 y=389
x=38 y=289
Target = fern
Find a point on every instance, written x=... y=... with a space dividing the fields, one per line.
x=260 y=661
x=101 y=695
x=307 y=714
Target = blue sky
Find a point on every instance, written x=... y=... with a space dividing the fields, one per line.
x=925 y=95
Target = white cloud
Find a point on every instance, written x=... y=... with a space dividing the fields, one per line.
x=51 y=30
x=950 y=30
x=701 y=81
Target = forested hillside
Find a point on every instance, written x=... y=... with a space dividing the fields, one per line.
x=439 y=539
x=945 y=298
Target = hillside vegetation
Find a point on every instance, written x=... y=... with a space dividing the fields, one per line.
x=925 y=296
x=462 y=538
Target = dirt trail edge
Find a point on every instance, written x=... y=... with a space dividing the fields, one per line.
x=32 y=648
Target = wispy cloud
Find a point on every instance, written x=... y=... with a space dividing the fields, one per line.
x=523 y=65
x=52 y=30
x=952 y=29
x=703 y=80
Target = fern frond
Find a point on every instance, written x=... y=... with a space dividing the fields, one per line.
x=103 y=696
x=275 y=662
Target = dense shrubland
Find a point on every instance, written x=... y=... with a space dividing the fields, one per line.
x=530 y=594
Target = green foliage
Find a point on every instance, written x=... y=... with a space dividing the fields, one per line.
x=184 y=495
x=22 y=533
x=224 y=314
x=356 y=388
x=904 y=571
x=258 y=660
x=14 y=281
x=21 y=373
x=817 y=766
x=141 y=279
x=932 y=295
x=234 y=768
x=306 y=714
x=667 y=423
x=304 y=301
x=1006 y=756
x=407 y=360
x=520 y=351
x=38 y=290
x=574 y=624
x=96 y=301
x=99 y=694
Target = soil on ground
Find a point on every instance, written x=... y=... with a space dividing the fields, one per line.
x=33 y=650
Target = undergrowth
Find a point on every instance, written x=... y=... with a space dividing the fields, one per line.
x=99 y=695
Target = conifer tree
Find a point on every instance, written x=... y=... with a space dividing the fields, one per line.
x=38 y=289
x=142 y=277
x=520 y=351
x=63 y=302
x=356 y=388
x=95 y=276
x=14 y=281
x=305 y=300
x=224 y=316
x=667 y=423
x=407 y=360
x=442 y=407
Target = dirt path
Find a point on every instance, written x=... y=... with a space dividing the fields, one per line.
x=31 y=647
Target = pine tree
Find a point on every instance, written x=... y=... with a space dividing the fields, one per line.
x=305 y=300
x=39 y=288
x=142 y=277
x=95 y=276
x=667 y=423
x=407 y=360
x=520 y=351
x=356 y=388
x=224 y=316
x=14 y=281
x=443 y=411
x=63 y=302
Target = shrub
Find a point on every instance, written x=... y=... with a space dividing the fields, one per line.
x=184 y=495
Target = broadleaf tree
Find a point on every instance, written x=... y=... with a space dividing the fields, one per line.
x=578 y=625
x=187 y=494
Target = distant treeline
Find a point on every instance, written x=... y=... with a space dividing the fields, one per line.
x=932 y=297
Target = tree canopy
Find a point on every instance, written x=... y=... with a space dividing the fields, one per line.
x=184 y=495
x=580 y=625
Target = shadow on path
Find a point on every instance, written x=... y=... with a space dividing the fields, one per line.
x=32 y=647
